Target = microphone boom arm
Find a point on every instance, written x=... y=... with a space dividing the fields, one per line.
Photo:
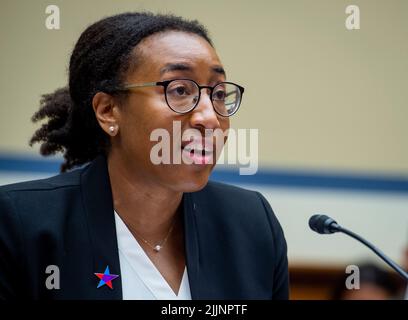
x=377 y=251
x=323 y=224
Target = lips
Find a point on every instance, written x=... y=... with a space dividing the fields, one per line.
x=197 y=151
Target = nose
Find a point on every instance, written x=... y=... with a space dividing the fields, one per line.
x=204 y=116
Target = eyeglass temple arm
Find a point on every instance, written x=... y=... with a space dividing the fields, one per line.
x=139 y=85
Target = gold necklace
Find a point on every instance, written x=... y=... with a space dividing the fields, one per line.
x=157 y=247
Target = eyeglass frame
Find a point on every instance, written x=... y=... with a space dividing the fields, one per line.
x=165 y=84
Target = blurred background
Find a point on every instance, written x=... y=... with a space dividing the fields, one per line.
x=330 y=105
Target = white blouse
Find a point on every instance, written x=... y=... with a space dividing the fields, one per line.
x=141 y=280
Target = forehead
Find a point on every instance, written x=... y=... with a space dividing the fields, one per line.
x=169 y=47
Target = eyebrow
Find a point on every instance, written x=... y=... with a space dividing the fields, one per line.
x=185 y=67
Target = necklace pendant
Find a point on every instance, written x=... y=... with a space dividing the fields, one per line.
x=157 y=248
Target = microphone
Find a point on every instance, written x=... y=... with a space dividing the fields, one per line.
x=323 y=224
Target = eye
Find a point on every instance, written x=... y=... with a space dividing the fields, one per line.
x=178 y=91
x=219 y=94
x=181 y=88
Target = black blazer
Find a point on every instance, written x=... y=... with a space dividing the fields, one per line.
x=234 y=245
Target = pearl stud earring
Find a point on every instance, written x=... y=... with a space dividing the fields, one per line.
x=112 y=129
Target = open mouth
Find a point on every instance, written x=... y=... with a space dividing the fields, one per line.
x=197 y=153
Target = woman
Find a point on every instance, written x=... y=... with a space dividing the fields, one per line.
x=123 y=227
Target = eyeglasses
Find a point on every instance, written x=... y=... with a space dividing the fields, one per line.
x=183 y=95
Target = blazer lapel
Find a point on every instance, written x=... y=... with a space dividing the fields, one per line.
x=97 y=198
x=191 y=245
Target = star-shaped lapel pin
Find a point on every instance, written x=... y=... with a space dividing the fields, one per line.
x=106 y=278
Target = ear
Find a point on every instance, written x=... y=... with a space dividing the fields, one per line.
x=106 y=112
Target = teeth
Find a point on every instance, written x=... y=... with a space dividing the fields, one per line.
x=197 y=149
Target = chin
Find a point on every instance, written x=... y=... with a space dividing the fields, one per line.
x=193 y=186
x=192 y=179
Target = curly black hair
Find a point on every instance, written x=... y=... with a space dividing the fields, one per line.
x=100 y=59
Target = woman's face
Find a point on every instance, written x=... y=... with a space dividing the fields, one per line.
x=166 y=56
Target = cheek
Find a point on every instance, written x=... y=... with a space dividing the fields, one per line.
x=135 y=131
x=142 y=111
x=224 y=123
x=143 y=117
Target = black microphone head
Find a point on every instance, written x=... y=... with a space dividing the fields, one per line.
x=323 y=224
